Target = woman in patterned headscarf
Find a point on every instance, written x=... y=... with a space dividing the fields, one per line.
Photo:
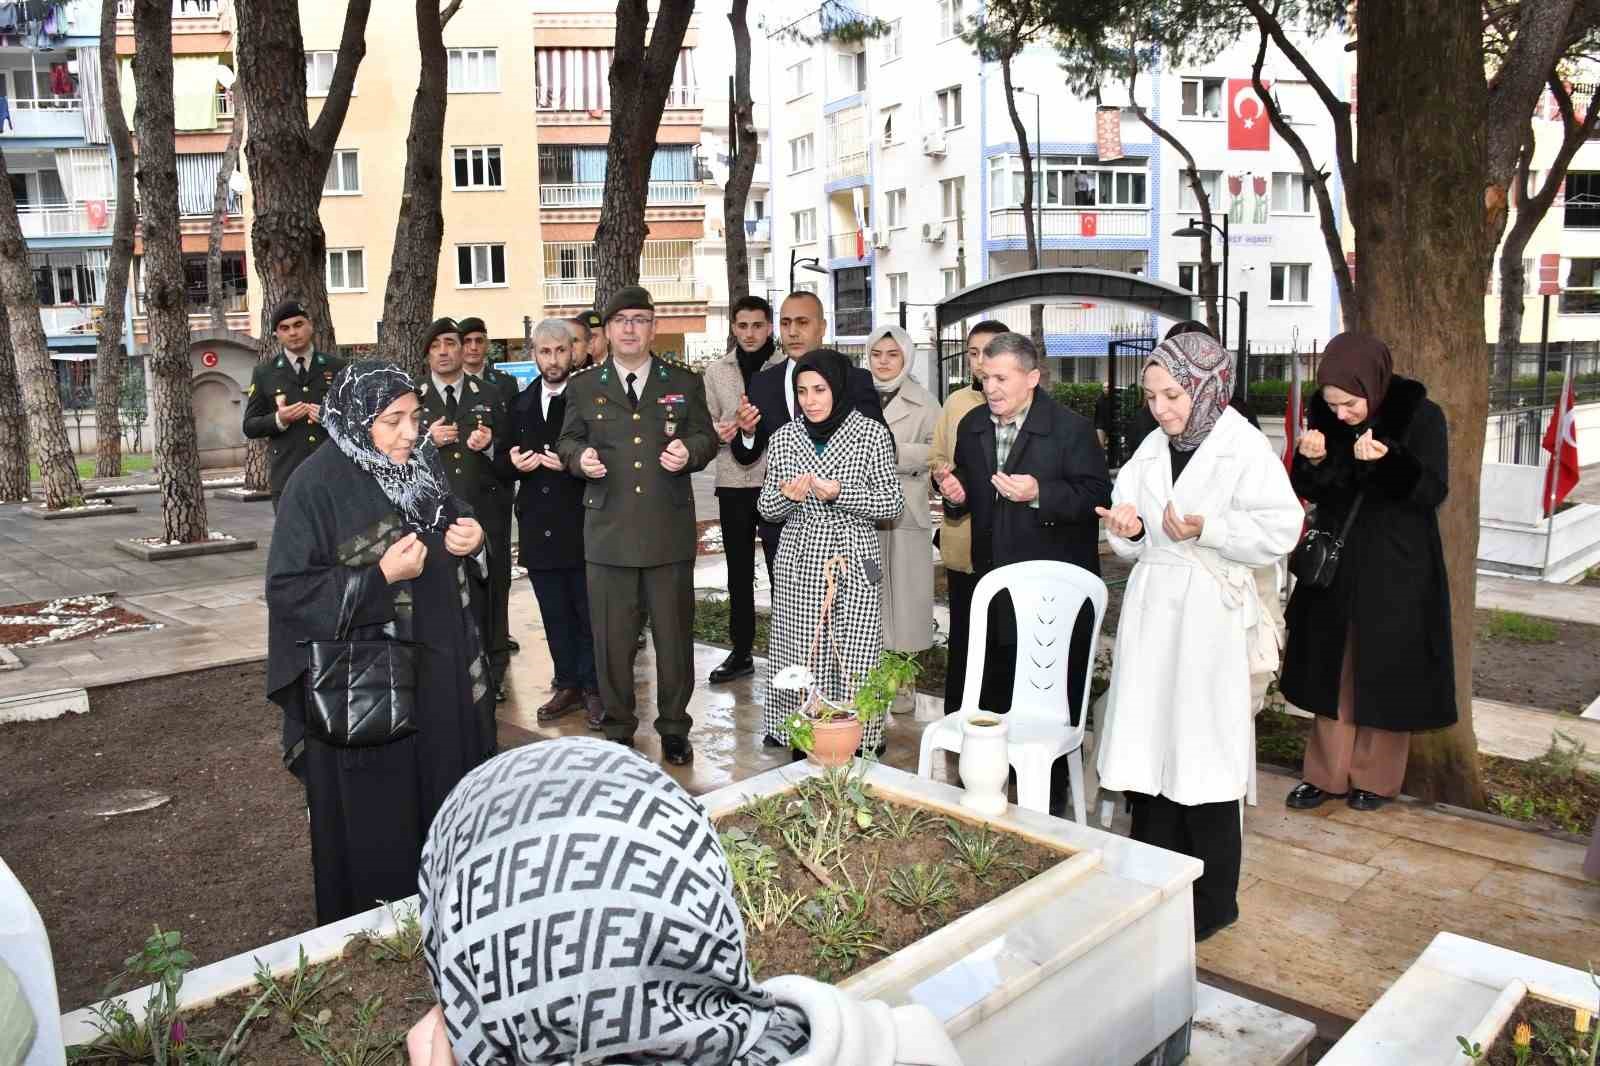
x=369 y=524
x=1197 y=508
x=577 y=908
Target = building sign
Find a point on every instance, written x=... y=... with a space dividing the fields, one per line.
x=209 y=360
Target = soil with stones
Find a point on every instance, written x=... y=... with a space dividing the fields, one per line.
x=72 y=618
x=1546 y=1021
x=1562 y=674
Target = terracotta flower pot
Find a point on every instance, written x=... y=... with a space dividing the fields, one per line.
x=835 y=742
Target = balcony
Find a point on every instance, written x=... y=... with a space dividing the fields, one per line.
x=758 y=229
x=180 y=8
x=194 y=301
x=85 y=218
x=845 y=167
x=1081 y=316
x=579 y=292
x=591 y=194
x=71 y=320
x=58 y=117
x=844 y=245
x=852 y=321
x=1072 y=222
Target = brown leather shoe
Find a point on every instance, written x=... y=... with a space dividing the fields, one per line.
x=563 y=703
x=594 y=712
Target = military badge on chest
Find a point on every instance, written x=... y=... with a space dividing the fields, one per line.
x=672 y=406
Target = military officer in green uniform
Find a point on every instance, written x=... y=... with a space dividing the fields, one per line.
x=474 y=360
x=285 y=397
x=460 y=414
x=636 y=427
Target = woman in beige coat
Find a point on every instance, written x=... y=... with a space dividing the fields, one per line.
x=906 y=542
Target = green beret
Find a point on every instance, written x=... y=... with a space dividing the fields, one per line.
x=630 y=298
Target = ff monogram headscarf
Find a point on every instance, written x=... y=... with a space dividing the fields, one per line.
x=359 y=394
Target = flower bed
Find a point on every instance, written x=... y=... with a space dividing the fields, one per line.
x=29 y=625
x=1543 y=1033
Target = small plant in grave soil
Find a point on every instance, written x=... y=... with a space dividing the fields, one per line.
x=770 y=812
x=294 y=994
x=764 y=902
x=983 y=850
x=368 y=1045
x=923 y=888
x=160 y=1038
x=1511 y=805
x=402 y=945
x=840 y=930
x=1513 y=625
x=902 y=823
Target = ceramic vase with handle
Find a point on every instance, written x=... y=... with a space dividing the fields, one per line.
x=984 y=766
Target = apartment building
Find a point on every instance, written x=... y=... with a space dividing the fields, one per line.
x=573 y=49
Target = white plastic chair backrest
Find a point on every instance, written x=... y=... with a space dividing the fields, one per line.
x=26 y=950
x=1046 y=597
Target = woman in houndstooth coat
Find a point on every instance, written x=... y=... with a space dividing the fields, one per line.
x=830 y=479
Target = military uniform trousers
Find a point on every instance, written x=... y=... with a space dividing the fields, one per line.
x=616 y=596
x=497 y=525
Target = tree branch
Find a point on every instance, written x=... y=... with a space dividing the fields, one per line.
x=352 y=49
x=449 y=12
x=1542 y=29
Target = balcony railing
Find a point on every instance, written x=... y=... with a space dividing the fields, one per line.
x=591 y=194
x=71 y=319
x=1081 y=316
x=844 y=167
x=683 y=96
x=59 y=116
x=843 y=245
x=579 y=292
x=1073 y=222
x=224 y=104
x=180 y=8
x=194 y=302
x=758 y=229
x=85 y=218
x=852 y=321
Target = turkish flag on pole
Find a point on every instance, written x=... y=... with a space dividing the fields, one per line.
x=1561 y=441
x=1249 y=130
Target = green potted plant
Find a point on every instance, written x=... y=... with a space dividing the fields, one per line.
x=830 y=732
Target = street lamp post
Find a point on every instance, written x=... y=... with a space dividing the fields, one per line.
x=1038 y=176
x=1194 y=229
x=810 y=262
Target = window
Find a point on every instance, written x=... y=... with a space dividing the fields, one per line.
x=800 y=78
x=758 y=268
x=1117 y=189
x=1202 y=97
x=478 y=168
x=890 y=114
x=950 y=191
x=894 y=209
x=894 y=42
x=1291 y=283
x=950 y=107
x=1581 y=274
x=1290 y=195
x=805 y=226
x=347 y=270
x=344 y=174
x=951 y=279
x=319 y=72
x=1189 y=277
x=1582 y=192
x=1210 y=179
x=808 y=286
x=852 y=73
x=800 y=154
x=474 y=70
x=480 y=266
x=897 y=290
x=949 y=18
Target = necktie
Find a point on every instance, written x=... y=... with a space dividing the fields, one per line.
x=300 y=369
x=450 y=404
x=633 y=397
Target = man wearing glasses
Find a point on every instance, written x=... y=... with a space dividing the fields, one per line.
x=636 y=427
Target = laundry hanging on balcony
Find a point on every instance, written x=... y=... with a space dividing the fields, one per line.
x=1108 y=133
x=97 y=213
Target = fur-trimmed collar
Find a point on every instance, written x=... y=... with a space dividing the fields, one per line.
x=1400 y=404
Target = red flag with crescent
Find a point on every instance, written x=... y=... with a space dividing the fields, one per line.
x=1249 y=129
x=1561 y=441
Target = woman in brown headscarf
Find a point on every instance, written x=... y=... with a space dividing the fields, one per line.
x=1370 y=655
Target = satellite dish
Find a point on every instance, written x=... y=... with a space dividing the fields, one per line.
x=225 y=76
x=237 y=182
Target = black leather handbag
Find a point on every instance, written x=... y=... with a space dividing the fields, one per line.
x=360 y=693
x=1315 y=560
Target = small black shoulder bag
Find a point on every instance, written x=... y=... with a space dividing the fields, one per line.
x=360 y=693
x=1315 y=560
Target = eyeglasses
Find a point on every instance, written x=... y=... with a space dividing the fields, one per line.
x=634 y=321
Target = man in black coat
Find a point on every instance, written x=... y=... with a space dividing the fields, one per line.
x=1031 y=473
x=770 y=403
x=285 y=397
x=475 y=361
x=550 y=526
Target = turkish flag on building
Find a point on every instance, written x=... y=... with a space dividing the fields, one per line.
x=1248 y=127
x=1561 y=441
x=1089 y=224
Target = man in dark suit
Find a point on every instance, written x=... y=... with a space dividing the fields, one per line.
x=550 y=523
x=285 y=397
x=475 y=361
x=769 y=406
x=1031 y=473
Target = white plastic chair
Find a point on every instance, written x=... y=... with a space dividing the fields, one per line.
x=1047 y=597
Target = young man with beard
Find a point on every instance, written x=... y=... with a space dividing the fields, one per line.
x=550 y=523
x=739 y=486
x=285 y=398
x=475 y=361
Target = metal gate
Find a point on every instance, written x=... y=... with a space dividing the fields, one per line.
x=1125 y=359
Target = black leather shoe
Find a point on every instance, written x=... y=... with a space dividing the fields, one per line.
x=734 y=666
x=1362 y=800
x=678 y=750
x=513 y=647
x=626 y=742
x=1212 y=930
x=1305 y=797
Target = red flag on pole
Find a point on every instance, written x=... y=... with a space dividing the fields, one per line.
x=1561 y=441
x=1249 y=129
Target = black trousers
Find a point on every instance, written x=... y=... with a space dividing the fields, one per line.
x=497 y=523
x=563 y=597
x=769 y=532
x=736 y=510
x=955 y=672
x=1208 y=831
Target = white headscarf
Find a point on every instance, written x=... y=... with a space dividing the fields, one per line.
x=903 y=339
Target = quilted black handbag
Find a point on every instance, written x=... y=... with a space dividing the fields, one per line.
x=360 y=693
x=1315 y=560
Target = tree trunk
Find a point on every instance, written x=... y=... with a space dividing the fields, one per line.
x=419 y=229
x=1207 y=280
x=111 y=359
x=1422 y=228
x=1035 y=311
x=183 y=501
x=742 y=146
x=216 y=298
x=13 y=422
x=640 y=80
x=41 y=399
x=287 y=159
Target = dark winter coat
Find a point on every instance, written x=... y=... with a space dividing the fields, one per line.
x=1391 y=591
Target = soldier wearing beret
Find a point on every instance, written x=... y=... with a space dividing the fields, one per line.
x=285 y=397
x=474 y=360
x=636 y=427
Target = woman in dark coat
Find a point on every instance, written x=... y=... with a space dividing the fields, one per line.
x=1371 y=656
x=370 y=521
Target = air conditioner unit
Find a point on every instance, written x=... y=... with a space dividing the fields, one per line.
x=933 y=144
x=933 y=232
x=881 y=240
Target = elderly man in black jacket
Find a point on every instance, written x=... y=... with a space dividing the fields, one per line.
x=1031 y=473
x=550 y=527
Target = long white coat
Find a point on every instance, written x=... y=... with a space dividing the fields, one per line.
x=1178 y=715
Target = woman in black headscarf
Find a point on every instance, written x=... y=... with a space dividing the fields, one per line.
x=371 y=524
x=1371 y=655
x=830 y=480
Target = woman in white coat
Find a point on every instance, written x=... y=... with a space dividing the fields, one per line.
x=907 y=542
x=1197 y=507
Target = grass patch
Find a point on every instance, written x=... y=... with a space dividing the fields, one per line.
x=1555 y=791
x=1281 y=738
x=1512 y=625
x=137 y=463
